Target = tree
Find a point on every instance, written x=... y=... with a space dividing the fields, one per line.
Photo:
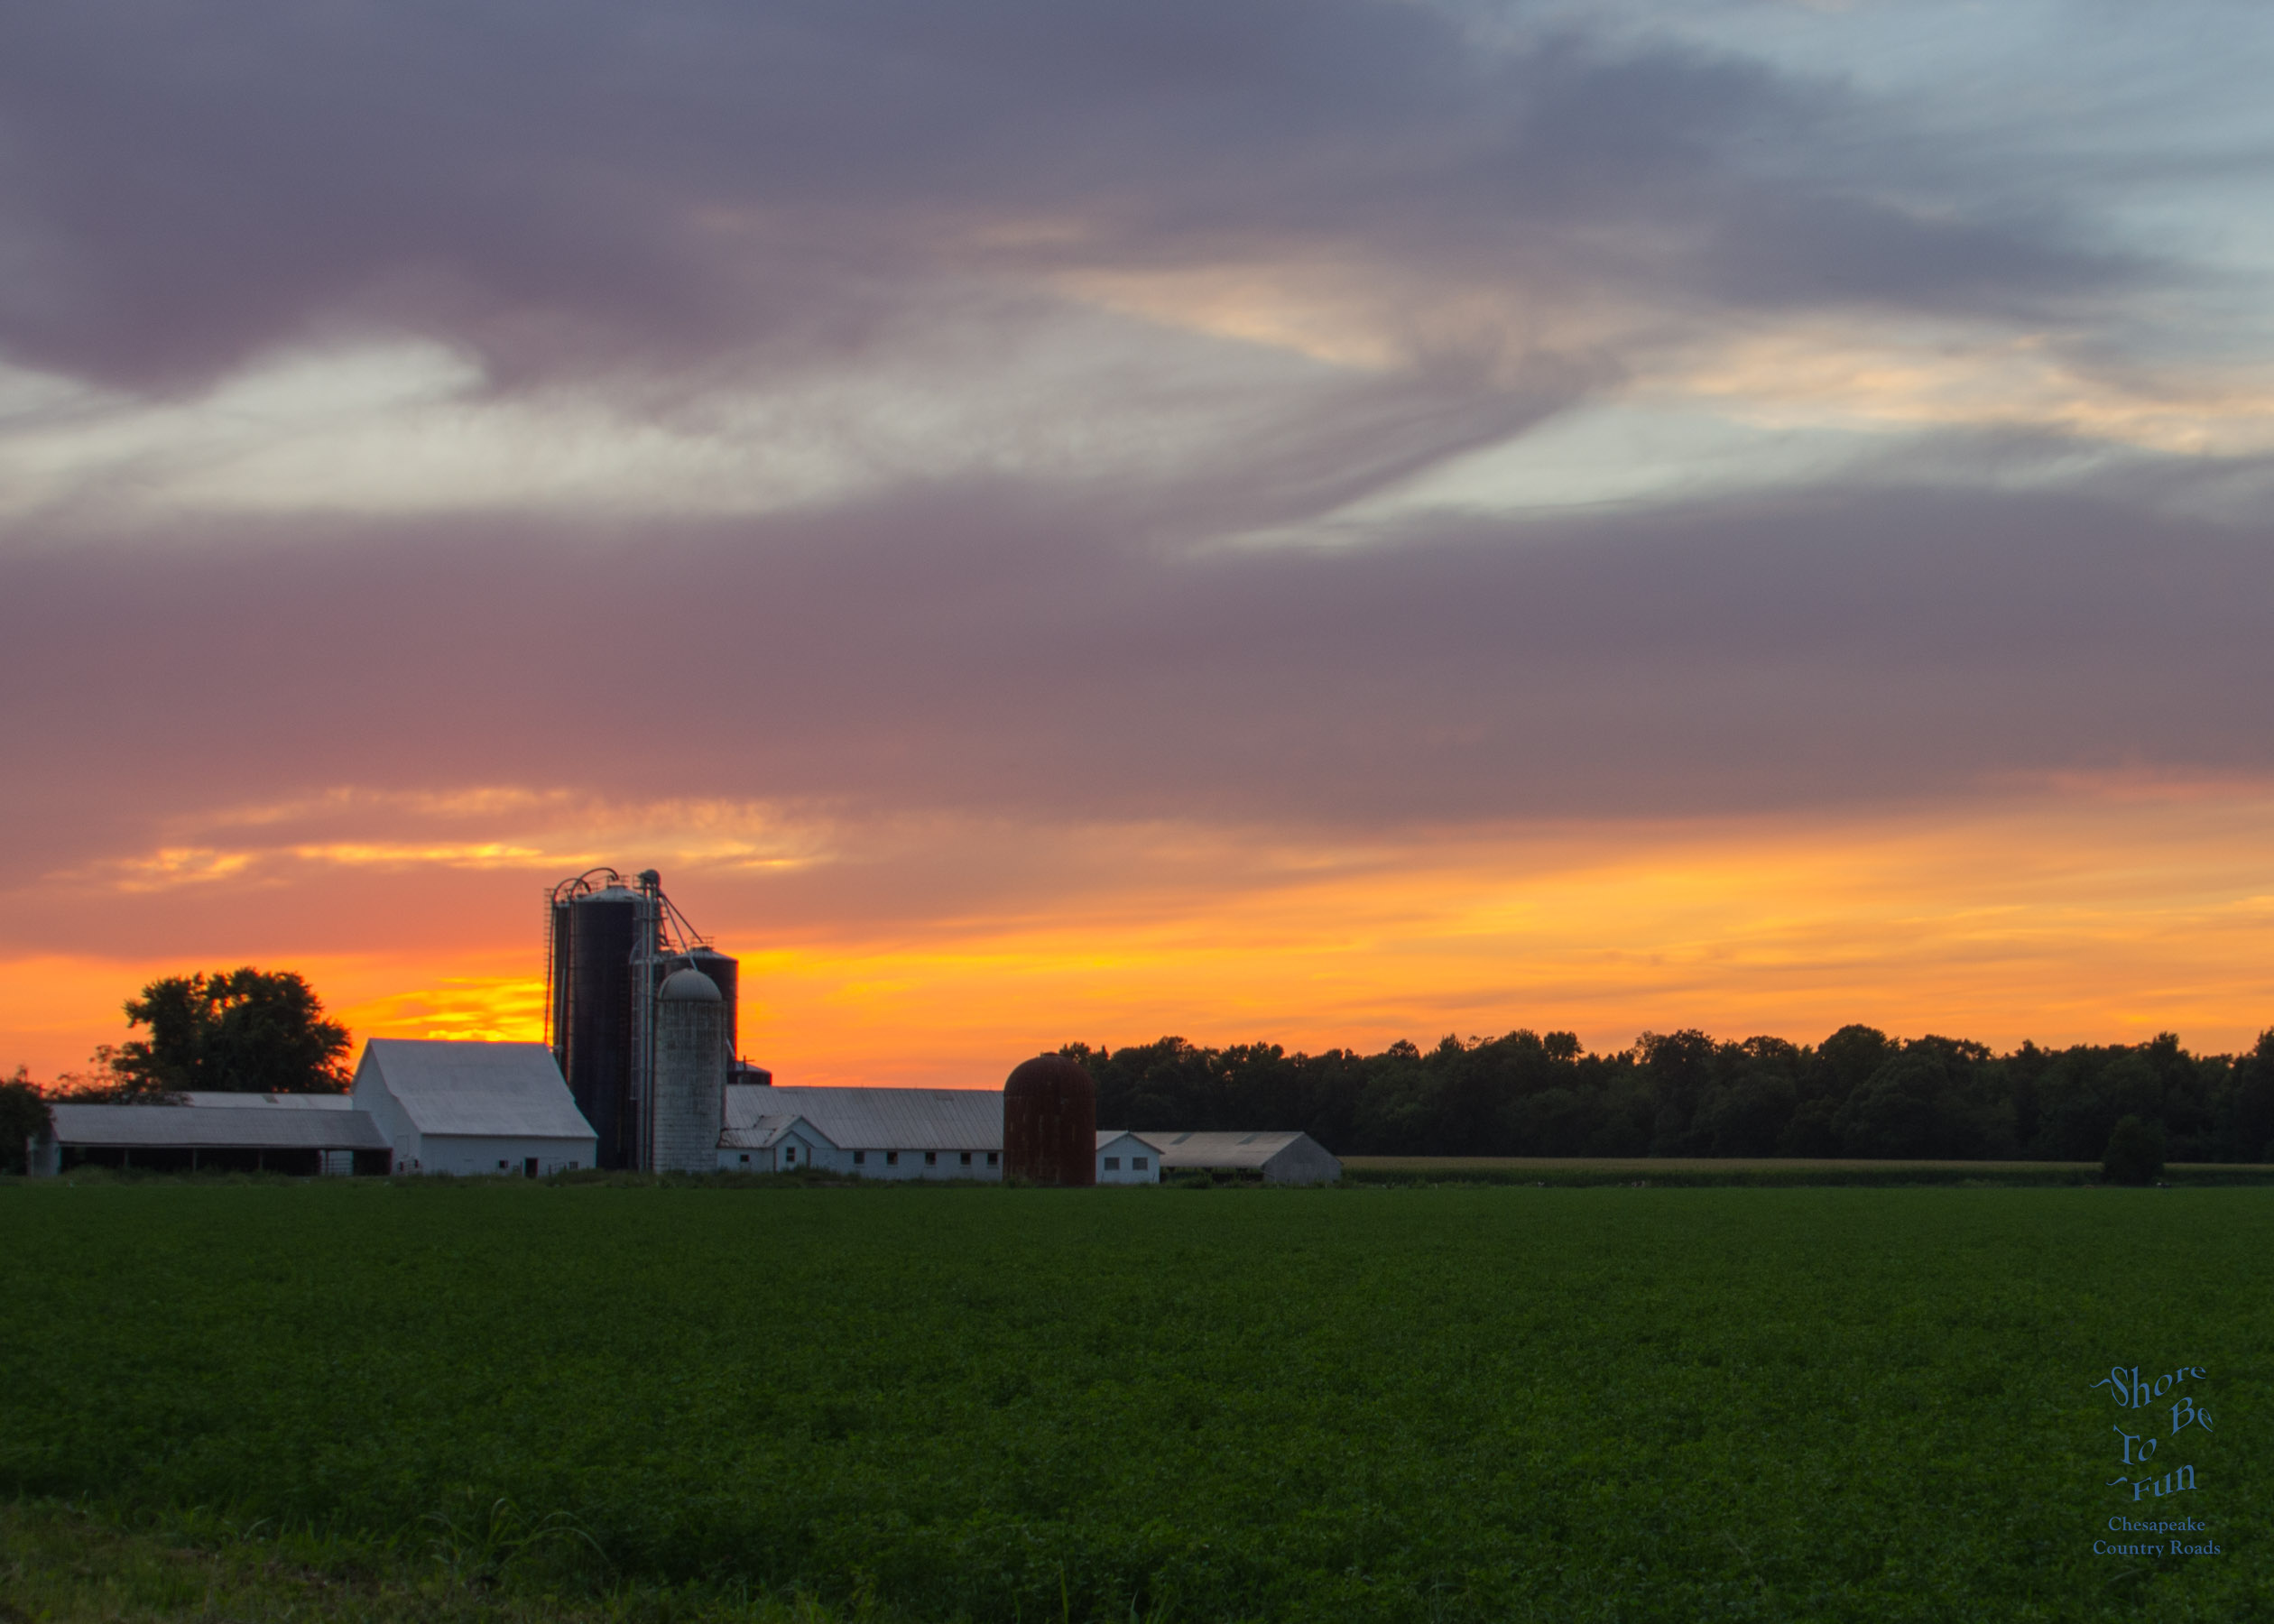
x=2135 y=1153
x=24 y=1112
x=235 y=1032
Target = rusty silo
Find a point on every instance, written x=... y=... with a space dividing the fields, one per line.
x=1049 y=1124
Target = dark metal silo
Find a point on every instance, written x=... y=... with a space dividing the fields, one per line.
x=604 y=929
x=1049 y=1124
x=725 y=974
x=560 y=925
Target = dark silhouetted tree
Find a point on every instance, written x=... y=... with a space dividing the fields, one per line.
x=237 y=1031
x=2135 y=1152
x=24 y=1112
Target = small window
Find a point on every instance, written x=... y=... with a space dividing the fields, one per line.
x=1136 y=1163
x=789 y=1154
x=891 y=1158
x=966 y=1158
x=860 y=1159
x=501 y=1166
x=572 y=1166
x=931 y=1158
x=990 y=1156
x=745 y=1160
x=1112 y=1164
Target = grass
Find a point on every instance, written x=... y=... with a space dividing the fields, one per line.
x=1392 y=1403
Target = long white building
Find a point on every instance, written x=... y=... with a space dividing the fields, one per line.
x=957 y=1133
x=873 y=1133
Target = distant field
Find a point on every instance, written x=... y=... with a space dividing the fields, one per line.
x=1756 y=1170
x=1417 y=1403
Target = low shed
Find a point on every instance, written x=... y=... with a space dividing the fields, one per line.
x=200 y=1137
x=472 y=1108
x=1124 y=1159
x=1272 y=1157
x=776 y=1143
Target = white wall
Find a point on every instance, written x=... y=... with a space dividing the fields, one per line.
x=369 y=1094
x=1126 y=1152
x=949 y=1164
x=794 y=1149
x=468 y=1156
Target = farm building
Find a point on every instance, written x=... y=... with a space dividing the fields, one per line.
x=873 y=1133
x=1124 y=1159
x=1280 y=1158
x=472 y=1108
x=774 y=1143
x=248 y=1133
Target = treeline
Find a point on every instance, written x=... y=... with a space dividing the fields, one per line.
x=1858 y=1094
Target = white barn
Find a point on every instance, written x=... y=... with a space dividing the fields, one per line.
x=472 y=1108
x=1272 y=1157
x=871 y=1132
x=1124 y=1159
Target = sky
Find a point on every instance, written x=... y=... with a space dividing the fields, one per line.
x=1315 y=523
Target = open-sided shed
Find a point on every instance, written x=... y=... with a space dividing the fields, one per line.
x=1271 y=1156
x=200 y=1137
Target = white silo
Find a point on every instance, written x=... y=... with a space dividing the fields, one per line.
x=691 y=1061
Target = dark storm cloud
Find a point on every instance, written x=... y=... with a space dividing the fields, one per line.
x=560 y=183
x=989 y=654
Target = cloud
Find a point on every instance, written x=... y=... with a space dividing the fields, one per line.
x=984 y=652
x=582 y=186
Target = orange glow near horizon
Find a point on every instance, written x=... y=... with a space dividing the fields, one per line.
x=2105 y=916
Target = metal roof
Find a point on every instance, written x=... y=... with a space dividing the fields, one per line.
x=762 y=1132
x=880 y=1119
x=1219 y=1149
x=1106 y=1136
x=203 y=1128
x=206 y=1099
x=487 y=1090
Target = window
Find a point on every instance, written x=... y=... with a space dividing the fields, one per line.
x=1112 y=1164
x=501 y=1166
x=1136 y=1163
x=860 y=1159
x=966 y=1158
x=990 y=1156
x=891 y=1158
x=745 y=1160
x=789 y=1154
x=931 y=1158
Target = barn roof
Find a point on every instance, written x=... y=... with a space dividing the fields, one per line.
x=208 y=1099
x=203 y=1127
x=484 y=1090
x=763 y=1132
x=880 y=1119
x=1220 y=1150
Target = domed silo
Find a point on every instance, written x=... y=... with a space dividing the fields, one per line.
x=725 y=973
x=1049 y=1124
x=604 y=930
x=690 y=1072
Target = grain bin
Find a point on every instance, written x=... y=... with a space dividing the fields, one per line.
x=691 y=1059
x=604 y=932
x=1049 y=1124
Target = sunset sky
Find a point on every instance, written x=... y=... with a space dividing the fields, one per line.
x=1315 y=522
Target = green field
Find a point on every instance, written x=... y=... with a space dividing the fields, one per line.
x=1352 y=1404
